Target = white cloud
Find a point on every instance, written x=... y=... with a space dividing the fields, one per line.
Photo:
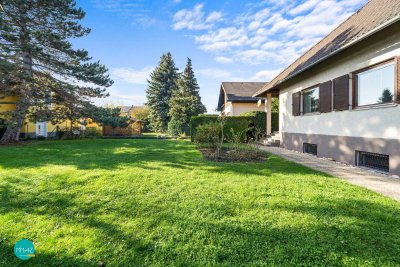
x=132 y=76
x=195 y=19
x=118 y=97
x=222 y=39
x=307 y=5
x=224 y=59
x=271 y=32
x=265 y=75
x=218 y=74
x=214 y=16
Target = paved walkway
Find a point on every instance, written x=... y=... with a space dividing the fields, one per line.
x=380 y=183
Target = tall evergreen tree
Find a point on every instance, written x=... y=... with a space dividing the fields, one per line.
x=186 y=101
x=161 y=85
x=35 y=42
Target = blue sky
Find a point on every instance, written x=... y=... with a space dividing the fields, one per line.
x=226 y=40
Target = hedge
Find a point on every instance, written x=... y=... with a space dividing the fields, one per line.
x=237 y=123
x=275 y=121
x=259 y=118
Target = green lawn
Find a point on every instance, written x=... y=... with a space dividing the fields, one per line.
x=159 y=203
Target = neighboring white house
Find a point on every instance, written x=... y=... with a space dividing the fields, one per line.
x=340 y=100
x=237 y=97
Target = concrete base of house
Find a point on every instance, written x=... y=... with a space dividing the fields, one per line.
x=344 y=148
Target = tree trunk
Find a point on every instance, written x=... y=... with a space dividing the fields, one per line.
x=14 y=129
x=17 y=121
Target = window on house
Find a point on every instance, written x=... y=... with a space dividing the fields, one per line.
x=375 y=86
x=374 y=161
x=310 y=148
x=311 y=100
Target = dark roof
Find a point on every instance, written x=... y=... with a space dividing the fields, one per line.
x=372 y=17
x=239 y=92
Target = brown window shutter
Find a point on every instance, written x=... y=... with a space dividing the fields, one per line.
x=341 y=93
x=325 y=97
x=296 y=104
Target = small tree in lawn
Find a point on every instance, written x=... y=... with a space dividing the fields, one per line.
x=161 y=85
x=39 y=64
x=186 y=101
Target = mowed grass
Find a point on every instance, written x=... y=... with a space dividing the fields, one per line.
x=159 y=203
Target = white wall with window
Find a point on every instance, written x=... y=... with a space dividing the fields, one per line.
x=310 y=100
x=376 y=85
x=374 y=116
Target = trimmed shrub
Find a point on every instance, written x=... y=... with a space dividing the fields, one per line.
x=259 y=118
x=208 y=134
x=275 y=121
x=237 y=123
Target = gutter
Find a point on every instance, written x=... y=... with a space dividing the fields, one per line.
x=359 y=39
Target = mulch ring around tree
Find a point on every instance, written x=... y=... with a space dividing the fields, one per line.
x=234 y=155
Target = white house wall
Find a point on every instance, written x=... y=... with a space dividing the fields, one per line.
x=370 y=125
x=235 y=109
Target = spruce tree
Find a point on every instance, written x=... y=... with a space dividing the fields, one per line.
x=161 y=85
x=35 y=43
x=186 y=101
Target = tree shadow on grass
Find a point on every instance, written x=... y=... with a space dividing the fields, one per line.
x=41 y=258
x=213 y=231
x=330 y=231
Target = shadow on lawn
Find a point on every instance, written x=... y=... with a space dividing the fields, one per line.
x=221 y=237
x=147 y=154
x=341 y=230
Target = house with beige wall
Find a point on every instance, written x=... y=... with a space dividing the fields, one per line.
x=237 y=97
x=340 y=100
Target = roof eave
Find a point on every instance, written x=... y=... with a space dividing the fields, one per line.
x=368 y=34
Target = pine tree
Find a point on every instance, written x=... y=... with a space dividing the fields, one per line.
x=35 y=43
x=186 y=101
x=161 y=85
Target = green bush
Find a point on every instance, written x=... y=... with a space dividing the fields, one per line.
x=175 y=127
x=237 y=123
x=259 y=118
x=275 y=121
x=92 y=132
x=208 y=134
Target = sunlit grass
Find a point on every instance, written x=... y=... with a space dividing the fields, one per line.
x=158 y=202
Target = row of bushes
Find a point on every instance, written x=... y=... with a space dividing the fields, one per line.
x=237 y=123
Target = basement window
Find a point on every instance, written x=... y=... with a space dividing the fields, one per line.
x=379 y=162
x=310 y=149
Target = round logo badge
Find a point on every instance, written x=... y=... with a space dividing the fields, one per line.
x=24 y=249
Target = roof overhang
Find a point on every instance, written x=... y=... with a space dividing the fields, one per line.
x=355 y=41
